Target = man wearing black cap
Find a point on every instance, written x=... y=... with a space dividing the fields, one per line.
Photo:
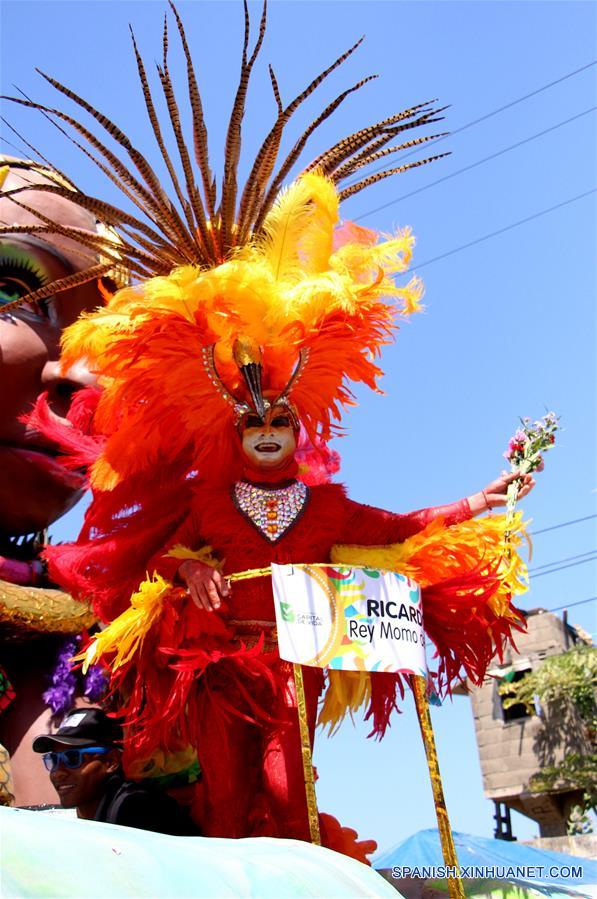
x=84 y=761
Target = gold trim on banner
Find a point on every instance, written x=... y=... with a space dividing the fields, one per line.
x=264 y=572
x=246 y=575
x=306 y=753
x=455 y=888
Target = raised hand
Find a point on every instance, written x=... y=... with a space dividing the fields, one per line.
x=495 y=493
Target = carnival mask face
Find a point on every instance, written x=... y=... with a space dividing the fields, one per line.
x=34 y=488
x=269 y=443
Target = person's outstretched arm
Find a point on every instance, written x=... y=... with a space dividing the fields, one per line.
x=369 y=526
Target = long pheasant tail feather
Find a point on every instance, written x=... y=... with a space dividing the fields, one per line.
x=300 y=98
x=263 y=167
x=96 y=242
x=109 y=214
x=371 y=142
x=113 y=160
x=353 y=142
x=115 y=132
x=233 y=137
x=59 y=286
x=156 y=197
x=195 y=207
x=379 y=176
x=199 y=128
x=300 y=145
x=154 y=121
x=166 y=220
x=268 y=152
x=366 y=157
x=53 y=170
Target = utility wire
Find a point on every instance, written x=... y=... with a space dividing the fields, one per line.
x=529 y=218
x=561 y=567
x=489 y=115
x=474 y=165
x=569 y=559
x=563 y=524
x=569 y=605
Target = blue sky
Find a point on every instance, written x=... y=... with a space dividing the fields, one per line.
x=509 y=327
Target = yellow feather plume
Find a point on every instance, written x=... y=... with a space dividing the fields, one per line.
x=316 y=244
x=283 y=229
x=124 y=636
x=346 y=693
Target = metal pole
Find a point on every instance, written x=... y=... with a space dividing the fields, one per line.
x=455 y=888
x=306 y=753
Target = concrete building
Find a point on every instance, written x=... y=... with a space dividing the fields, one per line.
x=514 y=745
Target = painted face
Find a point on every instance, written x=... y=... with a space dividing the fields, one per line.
x=82 y=787
x=271 y=443
x=34 y=488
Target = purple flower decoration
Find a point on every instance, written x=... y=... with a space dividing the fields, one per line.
x=65 y=679
x=96 y=683
x=61 y=694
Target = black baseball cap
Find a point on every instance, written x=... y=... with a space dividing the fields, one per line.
x=82 y=727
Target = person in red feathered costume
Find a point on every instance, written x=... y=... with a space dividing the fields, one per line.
x=252 y=311
x=253 y=781
x=209 y=673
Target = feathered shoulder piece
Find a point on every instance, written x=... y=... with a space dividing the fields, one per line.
x=240 y=298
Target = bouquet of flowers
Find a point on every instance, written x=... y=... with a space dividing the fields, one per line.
x=526 y=448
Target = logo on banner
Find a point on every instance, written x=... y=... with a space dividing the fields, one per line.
x=351 y=619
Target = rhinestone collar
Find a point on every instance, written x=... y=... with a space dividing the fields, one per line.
x=272 y=510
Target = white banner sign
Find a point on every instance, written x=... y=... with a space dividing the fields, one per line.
x=352 y=619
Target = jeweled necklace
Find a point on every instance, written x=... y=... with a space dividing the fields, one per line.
x=273 y=510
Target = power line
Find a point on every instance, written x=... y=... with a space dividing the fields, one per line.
x=489 y=115
x=561 y=567
x=569 y=605
x=473 y=165
x=563 y=524
x=569 y=559
x=529 y=218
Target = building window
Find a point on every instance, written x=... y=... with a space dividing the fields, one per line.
x=518 y=710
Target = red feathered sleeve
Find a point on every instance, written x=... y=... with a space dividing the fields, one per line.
x=187 y=534
x=368 y=526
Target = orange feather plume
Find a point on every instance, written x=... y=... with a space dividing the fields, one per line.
x=302 y=286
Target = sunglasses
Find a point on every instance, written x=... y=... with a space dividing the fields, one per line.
x=70 y=758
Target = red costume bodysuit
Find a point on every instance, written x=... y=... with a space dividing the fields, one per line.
x=252 y=773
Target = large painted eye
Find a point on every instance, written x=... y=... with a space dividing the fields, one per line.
x=280 y=421
x=253 y=421
x=20 y=274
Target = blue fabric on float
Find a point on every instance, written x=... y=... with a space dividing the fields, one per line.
x=424 y=849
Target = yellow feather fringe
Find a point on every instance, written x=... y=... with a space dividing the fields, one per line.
x=346 y=693
x=123 y=637
x=205 y=555
x=437 y=553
